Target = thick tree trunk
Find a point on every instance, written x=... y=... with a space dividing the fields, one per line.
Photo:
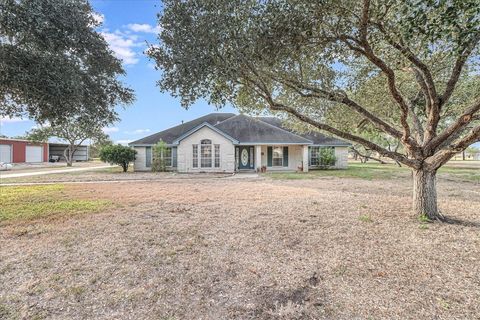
x=68 y=156
x=425 y=194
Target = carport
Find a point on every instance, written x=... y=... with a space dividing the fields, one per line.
x=56 y=150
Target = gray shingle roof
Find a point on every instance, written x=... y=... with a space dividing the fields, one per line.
x=316 y=137
x=245 y=129
x=252 y=130
x=173 y=133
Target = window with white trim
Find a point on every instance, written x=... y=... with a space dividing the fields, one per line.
x=314 y=156
x=195 y=156
x=277 y=156
x=206 y=153
x=217 y=156
x=167 y=157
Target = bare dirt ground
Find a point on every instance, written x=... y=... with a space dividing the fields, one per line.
x=325 y=248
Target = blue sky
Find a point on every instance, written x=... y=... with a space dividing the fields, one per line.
x=127 y=25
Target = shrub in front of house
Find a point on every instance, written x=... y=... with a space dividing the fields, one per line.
x=159 y=163
x=327 y=158
x=118 y=154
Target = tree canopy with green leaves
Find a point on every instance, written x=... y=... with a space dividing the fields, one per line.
x=399 y=66
x=75 y=130
x=118 y=154
x=53 y=62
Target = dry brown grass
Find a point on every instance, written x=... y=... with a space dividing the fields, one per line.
x=327 y=248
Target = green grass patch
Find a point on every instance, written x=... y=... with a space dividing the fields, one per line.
x=365 y=218
x=366 y=171
x=377 y=171
x=31 y=202
x=465 y=174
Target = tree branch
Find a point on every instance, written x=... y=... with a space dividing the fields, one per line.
x=425 y=76
x=370 y=55
x=262 y=90
x=457 y=70
x=393 y=155
x=467 y=117
x=366 y=156
x=340 y=98
x=442 y=157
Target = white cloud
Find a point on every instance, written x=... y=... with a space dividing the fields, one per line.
x=11 y=120
x=110 y=130
x=98 y=17
x=40 y=125
x=122 y=45
x=138 y=131
x=144 y=27
x=123 y=142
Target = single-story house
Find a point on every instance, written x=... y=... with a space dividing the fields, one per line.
x=21 y=151
x=226 y=142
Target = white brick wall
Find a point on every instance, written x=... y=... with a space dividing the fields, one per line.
x=139 y=164
x=185 y=152
x=227 y=154
x=341 y=153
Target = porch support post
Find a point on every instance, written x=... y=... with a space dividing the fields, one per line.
x=305 y=158
x=258 y=158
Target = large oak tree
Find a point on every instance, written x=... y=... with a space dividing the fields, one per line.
x=54 y=64
x=312 y=59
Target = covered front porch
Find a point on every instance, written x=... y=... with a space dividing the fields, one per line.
x=274 y=157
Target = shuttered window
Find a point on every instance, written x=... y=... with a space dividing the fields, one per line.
x=277 y=156
x=167 y=156
x=148 y=157
x=285 y=156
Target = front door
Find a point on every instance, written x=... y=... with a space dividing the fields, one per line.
x=245 y=154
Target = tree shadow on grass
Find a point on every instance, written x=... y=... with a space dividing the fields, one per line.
x=461 y=222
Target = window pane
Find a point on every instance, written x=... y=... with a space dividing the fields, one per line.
x=217 y=156
x=206 y=141
x=206 y=156
x=195 y=156
x=277 y=156
x=315 y=156
x=167 y=156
